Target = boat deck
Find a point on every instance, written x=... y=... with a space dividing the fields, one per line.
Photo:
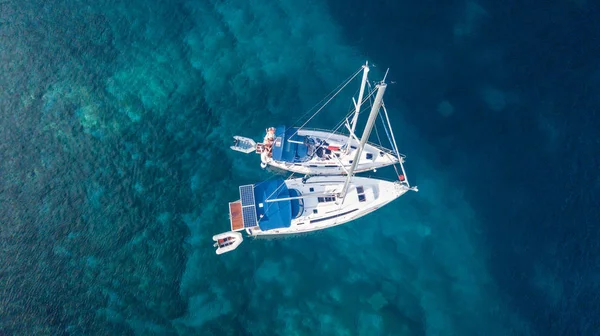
x=235 y=215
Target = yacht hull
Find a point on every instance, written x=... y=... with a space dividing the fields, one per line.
x=318 y=215
x=372 y=158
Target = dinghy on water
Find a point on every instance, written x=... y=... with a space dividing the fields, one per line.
x=300 y=205
x=243 y=144
x=325 y=152
x=227 y=241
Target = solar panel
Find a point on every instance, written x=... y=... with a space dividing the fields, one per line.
x=247 y=194
x=249 y=215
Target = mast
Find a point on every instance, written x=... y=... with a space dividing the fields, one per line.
x=367 y=132
x=358 y=103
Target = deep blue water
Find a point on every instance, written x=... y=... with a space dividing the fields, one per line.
x=115 y=170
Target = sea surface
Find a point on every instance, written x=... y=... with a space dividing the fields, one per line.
x=115 y=169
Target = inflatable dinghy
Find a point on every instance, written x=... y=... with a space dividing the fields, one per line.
x=227 y=241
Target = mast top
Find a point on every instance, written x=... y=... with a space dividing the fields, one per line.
x=385 y=76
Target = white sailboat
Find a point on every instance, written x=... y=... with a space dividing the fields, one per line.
x=299 y=205
x=322 y=152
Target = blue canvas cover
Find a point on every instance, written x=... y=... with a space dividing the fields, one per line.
x=297 y=204
x=275 y=215
x=287 y=151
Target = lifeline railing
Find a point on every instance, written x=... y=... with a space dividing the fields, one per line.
x=386 y=150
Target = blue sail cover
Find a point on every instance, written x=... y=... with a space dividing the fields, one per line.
x=275 y=215
x=286 y=150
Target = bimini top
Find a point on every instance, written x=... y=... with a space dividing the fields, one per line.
x=272 y=215
x=289 y=146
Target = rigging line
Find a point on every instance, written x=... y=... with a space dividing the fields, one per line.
x=276 y=189
x=351 y=77
x=388 y=134
x=390 y=139
x=379 y=114
x=351 y=111
x=391 y=143
x=327 y=102
x=371 y=92
x=395 y=146
x=341 y=123
x=377 y=133
x=378 y=138
x=273 y=174
x=337 y=127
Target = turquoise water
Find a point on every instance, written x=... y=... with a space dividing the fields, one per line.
x=116 y=172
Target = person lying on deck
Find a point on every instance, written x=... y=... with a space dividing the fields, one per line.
x=269 y=139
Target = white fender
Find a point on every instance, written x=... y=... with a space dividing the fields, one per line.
x=264 y=159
